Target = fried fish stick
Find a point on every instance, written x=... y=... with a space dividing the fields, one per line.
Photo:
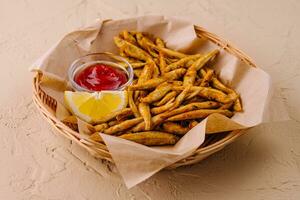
x=96 y=137
x=211 y=93
x=226 y=106
x=163 y=108
x=146 y=73
x=191 y=73
x=179 y=99
x=132 y=104
x=156 y=60
x=216 y=83
x=152 y=83
x=189 y=77
x=162 y=62
x=195 y=99
x=128 y=37
x=131 y=50
x=145 y=42
x=159 y=42
x=156 y=120
x=123 y=126
x=145 y=113
x=217 y=95
x=101 y=127
x=123 y=114
x=72 y=119
x=192 y=94
x=174 y=128
x=192 y=106
x=175 y=74
x=181 y=62
x=178 y=83
x=237 y=106
x=219 y=85
x=192 y=124
x=166 y=51
x=170 y=52
x=137 y=72
x=166 y=98
x=204 y=59
x=189 y=63
x=134 y=65
x=208 y=76
x=151 y=138
x=170 y=60
x=112 y=123
x=196 y=114
x=156 y=71
x=158 y=93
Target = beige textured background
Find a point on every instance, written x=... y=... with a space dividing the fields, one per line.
x=37 y=164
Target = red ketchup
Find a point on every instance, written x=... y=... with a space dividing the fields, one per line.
x=100 y=76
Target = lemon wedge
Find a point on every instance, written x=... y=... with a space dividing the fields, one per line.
x=96 y=107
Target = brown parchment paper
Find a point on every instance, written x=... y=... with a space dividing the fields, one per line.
x=136 y=162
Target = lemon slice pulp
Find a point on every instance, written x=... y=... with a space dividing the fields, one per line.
x=95 y=107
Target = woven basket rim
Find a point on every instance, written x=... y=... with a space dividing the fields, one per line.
x=46 y=104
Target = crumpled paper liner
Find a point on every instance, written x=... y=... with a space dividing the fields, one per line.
x=137 y=162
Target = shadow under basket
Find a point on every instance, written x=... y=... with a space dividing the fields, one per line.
x=213 y=142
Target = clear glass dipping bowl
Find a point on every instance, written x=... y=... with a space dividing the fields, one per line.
x=106 y=58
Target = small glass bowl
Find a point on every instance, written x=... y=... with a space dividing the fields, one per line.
x=106 y=58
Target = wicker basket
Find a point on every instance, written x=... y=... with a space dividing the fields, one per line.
x=213 y=143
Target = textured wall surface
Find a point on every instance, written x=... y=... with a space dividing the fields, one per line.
x=38 y=164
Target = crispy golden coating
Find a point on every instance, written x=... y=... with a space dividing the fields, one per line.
x=170 y=52
x=158 y=93
x=181 y=63
x=237 y=106
x=123 y=114
x=162 y=62
x=191 y=73
x=145 y=113
x=146 y=44
x=163 y=108
x=174 y=74
x=135 y=65
x=179 y=99
x=171 y=127
x=123 y=126
x=132 y=104
x=101 y=127
x=96 y=137
x=196 y=114
x=150 y=84
x=159 y=42
x=137 y=72
x=206 y=79
x=166 y=98
x=192 y=106
x=211 y=94
x=112 y=123
x=131 y=50
x=128 y=37
x=151 y=138
x=156 y=120
x=70 y=119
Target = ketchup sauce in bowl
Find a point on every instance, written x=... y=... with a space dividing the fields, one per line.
x=96 y=72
